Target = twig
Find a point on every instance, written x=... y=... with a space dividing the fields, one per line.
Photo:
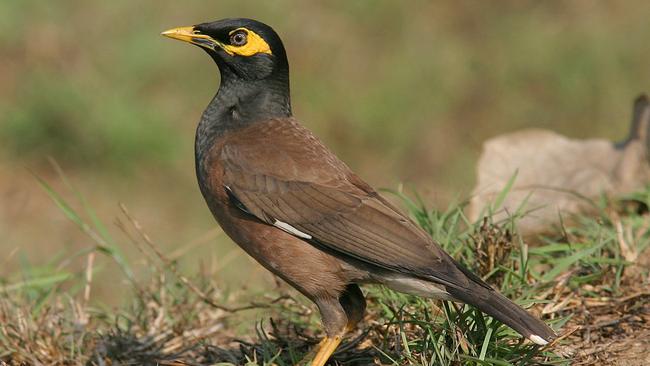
x=83 y=314
x=629 y=254
x=183 y=279
x=89 y=277
x=609 y=322
x=562 y=336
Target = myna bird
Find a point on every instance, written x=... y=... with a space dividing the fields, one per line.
x=291 y=204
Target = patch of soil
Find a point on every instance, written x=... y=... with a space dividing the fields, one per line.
x=614 y=331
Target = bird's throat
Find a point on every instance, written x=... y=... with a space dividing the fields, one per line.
x=239 y=104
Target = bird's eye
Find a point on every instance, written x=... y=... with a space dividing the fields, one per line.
x=239 y=38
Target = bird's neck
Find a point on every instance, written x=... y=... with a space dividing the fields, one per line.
x=239 y=104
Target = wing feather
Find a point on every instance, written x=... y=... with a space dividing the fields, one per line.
x=280 y=179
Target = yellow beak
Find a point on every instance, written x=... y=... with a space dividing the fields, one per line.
x=188 y=34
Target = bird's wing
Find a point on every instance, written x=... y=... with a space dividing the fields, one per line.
x=280 y=173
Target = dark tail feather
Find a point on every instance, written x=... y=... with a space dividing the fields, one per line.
x=505 y=311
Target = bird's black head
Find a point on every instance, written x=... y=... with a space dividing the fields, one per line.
x=246 y=48
x=254 y=73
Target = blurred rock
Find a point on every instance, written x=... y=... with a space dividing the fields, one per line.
x=557 y=177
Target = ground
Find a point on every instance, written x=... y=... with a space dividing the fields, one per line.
x=590 y=282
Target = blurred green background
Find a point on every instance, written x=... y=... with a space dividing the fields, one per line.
x=402 y=91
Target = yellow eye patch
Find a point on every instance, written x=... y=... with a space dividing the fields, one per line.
x=254 y=45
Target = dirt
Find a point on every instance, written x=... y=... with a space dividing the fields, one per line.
x=615 y=331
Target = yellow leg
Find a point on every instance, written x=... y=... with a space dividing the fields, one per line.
x=326 y=347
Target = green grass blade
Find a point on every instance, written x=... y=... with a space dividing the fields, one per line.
x=486 y=343
x=45 y=281
x=71 y=214
x=496 y=205
x=565 y=263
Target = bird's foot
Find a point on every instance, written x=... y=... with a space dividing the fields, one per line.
x=321 y=353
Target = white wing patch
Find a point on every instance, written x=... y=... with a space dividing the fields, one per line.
x=538 y=340
x=291 y=230
x=414 y=286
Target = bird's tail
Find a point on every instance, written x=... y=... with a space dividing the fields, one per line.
x=498 y=306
